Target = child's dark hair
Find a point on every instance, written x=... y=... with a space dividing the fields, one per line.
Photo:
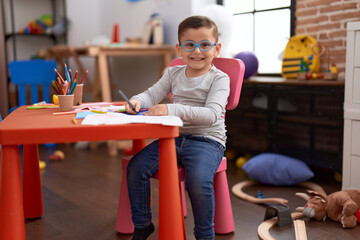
x=197 y=22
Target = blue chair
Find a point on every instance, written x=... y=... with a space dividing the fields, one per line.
x=33 y=73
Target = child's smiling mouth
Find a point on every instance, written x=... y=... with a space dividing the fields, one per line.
x=197 y=58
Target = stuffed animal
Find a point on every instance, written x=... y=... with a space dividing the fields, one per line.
x=339 y=206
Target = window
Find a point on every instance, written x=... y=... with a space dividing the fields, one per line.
x=262 y=27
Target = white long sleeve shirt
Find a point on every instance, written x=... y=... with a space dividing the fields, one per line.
x=200 y=101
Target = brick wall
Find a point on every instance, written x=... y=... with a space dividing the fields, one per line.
x=326 y=20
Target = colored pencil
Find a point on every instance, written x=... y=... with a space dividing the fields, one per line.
x=67 y=88
x=67 y=73
x=70 y=74
x=40 y=107
x=73 y=88
x=59 y=81
x=57 y=73
x=61 y=86
x=64 y=113
x=96 y=111
x=83 y=77
x=61 y=90
x=53 y=85
x=76 y=73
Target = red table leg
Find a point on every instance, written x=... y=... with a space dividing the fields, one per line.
x=138 y=144
x=12 y=224
x=33 y=202
x=171 y=219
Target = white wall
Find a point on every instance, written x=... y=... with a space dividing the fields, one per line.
x=84 y=21
x=199 y=4
x=131 y=16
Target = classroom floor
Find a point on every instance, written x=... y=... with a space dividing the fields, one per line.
x=81 y=193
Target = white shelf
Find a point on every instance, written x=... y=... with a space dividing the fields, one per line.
x=351 y=150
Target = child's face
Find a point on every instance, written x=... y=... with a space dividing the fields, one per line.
x=198 y=62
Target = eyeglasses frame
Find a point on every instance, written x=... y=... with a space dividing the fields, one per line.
x=197 y=45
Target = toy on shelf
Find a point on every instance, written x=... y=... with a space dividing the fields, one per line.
x=306 y=73
x=153 y=30
x=115 y=38
x=299 y=50
x=38 y=26
x=340 y=206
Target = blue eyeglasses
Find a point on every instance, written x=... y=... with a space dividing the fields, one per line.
x=204 y=46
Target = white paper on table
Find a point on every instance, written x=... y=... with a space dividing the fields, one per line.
x=120 y=118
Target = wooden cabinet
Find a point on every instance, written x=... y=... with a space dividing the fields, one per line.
x=351 y=153
x=300 y=119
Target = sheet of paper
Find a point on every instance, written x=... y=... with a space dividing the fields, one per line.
x=120 y=118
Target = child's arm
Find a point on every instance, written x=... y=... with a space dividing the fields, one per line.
x=157 y=110
x=156 y=93
x=196 y=109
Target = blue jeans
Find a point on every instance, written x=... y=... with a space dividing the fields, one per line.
x=201 y=158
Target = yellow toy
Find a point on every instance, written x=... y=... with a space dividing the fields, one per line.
x=42 y=165
x=333 y=69
x=55 y=99
x=300 y=51
x=240 y=161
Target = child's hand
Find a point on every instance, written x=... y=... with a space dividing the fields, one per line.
x=157 y=110
x=137 y=105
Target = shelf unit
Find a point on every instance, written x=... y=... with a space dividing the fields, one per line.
x=296 y=134
x=12 y=13
x=15 y=15
x=351 y=157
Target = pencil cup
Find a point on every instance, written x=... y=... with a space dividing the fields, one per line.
x=78 y=94
x=66 y=102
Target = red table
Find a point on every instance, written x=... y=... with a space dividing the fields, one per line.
x=32 y=127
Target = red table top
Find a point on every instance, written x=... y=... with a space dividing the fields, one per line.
x=40 y=126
